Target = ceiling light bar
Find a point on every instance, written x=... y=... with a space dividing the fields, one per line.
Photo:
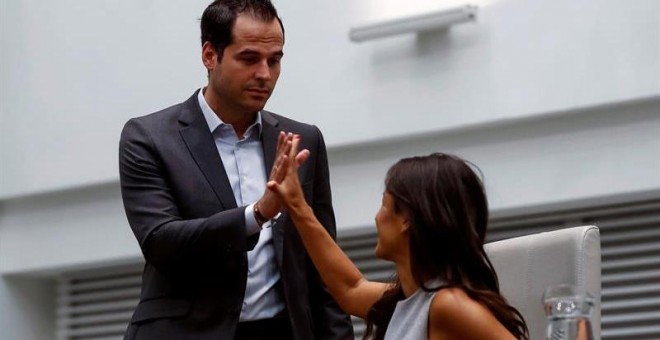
x=418 y=23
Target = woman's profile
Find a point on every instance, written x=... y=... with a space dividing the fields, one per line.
x=431 y=225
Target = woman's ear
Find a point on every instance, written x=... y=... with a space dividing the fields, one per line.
x=405 y=224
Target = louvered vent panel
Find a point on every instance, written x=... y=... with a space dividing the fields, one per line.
x=630 y=248
x=631 y=275
x=97 y=304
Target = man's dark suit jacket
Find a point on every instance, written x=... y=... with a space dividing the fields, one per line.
x=182 y=210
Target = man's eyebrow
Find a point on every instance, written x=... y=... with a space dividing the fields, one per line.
x=250 y=52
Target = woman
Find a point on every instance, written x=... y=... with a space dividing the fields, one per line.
x=431 y=224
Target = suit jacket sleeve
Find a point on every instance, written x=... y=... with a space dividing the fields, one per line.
x=169 y=242
x=330 y=321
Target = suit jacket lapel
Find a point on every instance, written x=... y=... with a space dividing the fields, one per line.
x=199 y=140
x=269 y=135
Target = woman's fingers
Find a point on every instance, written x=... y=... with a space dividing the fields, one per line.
x=283 y=148
x=301 y=157
x=284 y=181
x=288 y=159
x=280 y=169
x=274 y=187
x=293 y=152
x=297 y=157
x=282 y=137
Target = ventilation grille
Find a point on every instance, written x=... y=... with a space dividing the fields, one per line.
x=98 y=304
x=630 y=248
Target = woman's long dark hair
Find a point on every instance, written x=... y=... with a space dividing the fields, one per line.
x=446 y=204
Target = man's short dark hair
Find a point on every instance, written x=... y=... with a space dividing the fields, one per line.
x=218 y=20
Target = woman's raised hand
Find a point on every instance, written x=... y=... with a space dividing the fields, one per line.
x=284 y=181
x=270 y=204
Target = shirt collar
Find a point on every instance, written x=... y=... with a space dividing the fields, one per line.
x=214 y=121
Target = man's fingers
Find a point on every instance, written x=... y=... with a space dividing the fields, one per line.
x=280 y=139
x=286 y=149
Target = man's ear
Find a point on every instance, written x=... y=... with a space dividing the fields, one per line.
x=209 y=55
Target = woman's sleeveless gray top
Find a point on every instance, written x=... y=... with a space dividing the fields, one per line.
x=411 y=317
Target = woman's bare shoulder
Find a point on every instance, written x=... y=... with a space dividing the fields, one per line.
x=454 y=315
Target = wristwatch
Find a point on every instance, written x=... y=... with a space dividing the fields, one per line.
x=261 y=219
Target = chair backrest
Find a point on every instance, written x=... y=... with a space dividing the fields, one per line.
x=528 y=264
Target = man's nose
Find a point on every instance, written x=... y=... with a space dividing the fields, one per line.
x=263 y=70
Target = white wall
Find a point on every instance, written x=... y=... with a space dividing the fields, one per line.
x=578 y=156
x=27 y=308
x=67 y=230
x=74 y=72
x=521 y=58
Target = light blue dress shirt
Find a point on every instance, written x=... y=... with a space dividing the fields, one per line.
x=244 y=163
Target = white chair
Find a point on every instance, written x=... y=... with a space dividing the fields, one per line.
x=528 y=264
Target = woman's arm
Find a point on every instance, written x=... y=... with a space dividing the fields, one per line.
x=354 y=294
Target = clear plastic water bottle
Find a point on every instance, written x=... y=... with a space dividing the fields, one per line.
x=568 y=309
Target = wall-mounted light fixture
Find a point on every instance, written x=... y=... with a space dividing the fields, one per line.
x=418 y=23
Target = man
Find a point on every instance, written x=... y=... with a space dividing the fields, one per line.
x=221 y=261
